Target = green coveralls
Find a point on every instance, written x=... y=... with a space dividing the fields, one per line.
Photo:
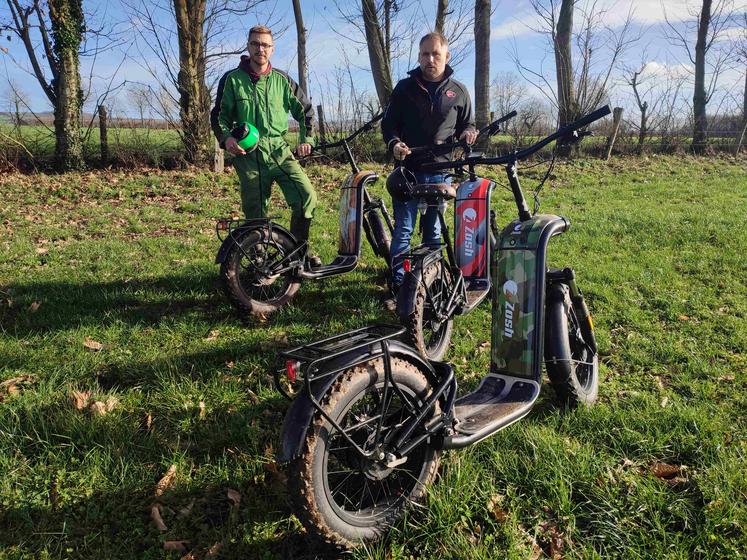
x=266 y=105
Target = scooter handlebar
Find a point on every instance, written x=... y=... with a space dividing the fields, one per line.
x=563 y=133
x=491 y=129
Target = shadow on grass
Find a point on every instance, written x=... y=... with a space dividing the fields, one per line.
x=59 y=512
x=65 y=305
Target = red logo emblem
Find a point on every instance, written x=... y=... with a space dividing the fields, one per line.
x=450 y=93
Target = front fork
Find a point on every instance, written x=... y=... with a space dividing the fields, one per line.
x=567 y=276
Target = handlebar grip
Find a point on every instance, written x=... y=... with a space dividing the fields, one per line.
x=590 y=118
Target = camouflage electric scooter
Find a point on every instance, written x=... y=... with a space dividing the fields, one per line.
x=262 y=263
x=371 y=415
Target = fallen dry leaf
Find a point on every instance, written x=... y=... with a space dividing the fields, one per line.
x=155 y=515
x=668 y=472
x=166 y=482
x=495 y=508
x=683 y=318
x=80 y=399
x=202 y=410
x=212 y=335
x=230 y=365
x=189 y=556
x=34 y=307
x=214 y=550
x=664 y=402
x=186 y=510
x=42 y=250
x=10 y=386
x=176 y=546
x=234 y=496
x=92 y=344
x=97 y=408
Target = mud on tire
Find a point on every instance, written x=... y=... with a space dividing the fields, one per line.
x=340 y=498
x=243 y=273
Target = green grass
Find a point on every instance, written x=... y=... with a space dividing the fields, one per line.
x=126 y=260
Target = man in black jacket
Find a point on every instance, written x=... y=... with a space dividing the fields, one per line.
x=429 y=107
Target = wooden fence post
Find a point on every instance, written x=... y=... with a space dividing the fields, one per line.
x=218 y=160
x=104 y=141
x=322 y=137
x=616 y=119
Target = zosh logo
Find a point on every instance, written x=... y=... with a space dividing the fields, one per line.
x=510 y=289
x=469 y=215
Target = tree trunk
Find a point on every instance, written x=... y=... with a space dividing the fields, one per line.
x=443 y=5
x=68 y=26
x=700 y=123
x=380 y=64
x=194 y=98
x=643 y=131
x=564 y=64
x=301 y=36
x=482 y=65
x=103 y=135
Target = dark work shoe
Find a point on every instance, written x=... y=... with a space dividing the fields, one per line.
x=390 y=299
x=314 y=261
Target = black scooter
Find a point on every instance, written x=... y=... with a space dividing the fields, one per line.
x=263 y=264
x=371 y=415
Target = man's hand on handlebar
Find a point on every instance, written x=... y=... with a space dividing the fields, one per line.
x=401 y=151
x=303 y=150
x=232 y=145
x=469 y=136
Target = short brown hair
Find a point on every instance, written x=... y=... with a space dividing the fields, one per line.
x=260 y=30
x=436 y=36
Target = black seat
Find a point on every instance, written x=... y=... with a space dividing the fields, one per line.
x=434 y=190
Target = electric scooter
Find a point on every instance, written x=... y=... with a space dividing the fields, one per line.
x=370 y=415
x=263 y=264
x=436 y=286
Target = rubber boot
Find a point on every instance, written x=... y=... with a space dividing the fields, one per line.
x=299 y=227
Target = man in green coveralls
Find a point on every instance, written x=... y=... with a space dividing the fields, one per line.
x=259 y=94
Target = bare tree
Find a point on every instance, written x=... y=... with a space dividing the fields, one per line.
x=189 y=39
x=442 y=8
x=303 y=69
x=482 y=62
x=740 y=47
x=60 y=30
x=708 y=23
x=379 y=49
x=583 y=74
x=655 y=94
x=507 y=93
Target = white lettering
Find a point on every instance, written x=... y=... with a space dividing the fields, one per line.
x=508 y=327
x=468 y=244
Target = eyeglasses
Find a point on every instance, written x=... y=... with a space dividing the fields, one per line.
x=257 y=45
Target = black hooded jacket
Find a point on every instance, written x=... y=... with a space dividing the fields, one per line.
x=412 y=118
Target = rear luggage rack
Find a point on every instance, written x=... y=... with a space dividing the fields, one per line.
x=309 y=357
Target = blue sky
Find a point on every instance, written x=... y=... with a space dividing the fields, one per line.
x=332 y=41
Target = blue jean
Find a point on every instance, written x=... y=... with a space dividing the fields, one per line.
x=405 y=218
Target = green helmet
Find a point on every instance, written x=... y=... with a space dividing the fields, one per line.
x=247 y=136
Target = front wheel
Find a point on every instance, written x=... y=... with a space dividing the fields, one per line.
x=249 y=275
x=340 y=496
x=572 y=363
x=427 y=329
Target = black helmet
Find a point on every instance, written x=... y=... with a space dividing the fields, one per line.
x=401 y=183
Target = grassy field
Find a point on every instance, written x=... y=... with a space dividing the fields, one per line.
x=122 y=366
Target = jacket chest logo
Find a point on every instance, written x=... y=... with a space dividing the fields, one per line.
x=449 y=93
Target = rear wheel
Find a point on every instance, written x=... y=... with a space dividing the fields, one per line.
x=249 y=274
x=340 y=496
x=572 y=363
x=430 y=334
